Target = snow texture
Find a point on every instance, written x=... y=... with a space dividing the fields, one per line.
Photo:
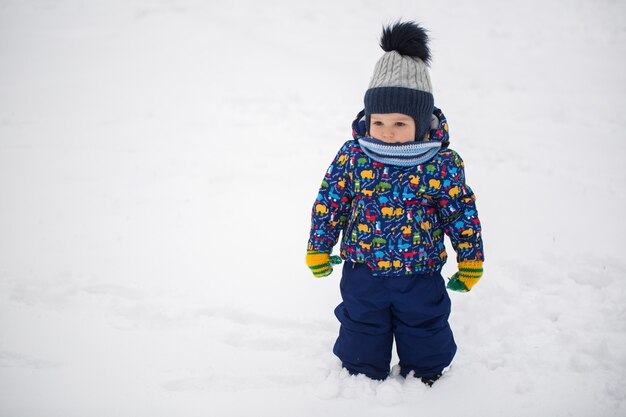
x=159 y=160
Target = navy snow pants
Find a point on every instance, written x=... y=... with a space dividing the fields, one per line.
x=413 y=308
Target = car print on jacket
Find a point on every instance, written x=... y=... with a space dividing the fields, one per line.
x=394 y=218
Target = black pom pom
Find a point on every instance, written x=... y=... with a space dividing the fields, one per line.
x=406 y=38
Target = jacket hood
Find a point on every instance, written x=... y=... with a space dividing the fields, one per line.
x=438 y=128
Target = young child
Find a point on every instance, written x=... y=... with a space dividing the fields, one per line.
x=394 y=190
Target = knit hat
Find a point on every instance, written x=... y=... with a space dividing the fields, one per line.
x=401 y=83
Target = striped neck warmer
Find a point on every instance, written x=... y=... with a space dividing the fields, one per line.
x=401 y=154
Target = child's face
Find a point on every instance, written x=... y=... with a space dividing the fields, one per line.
x=392 y=127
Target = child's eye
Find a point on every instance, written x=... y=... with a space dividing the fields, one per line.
x=400 y=124
x=378 y=123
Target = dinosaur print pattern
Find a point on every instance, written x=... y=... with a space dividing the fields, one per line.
x=394 y=218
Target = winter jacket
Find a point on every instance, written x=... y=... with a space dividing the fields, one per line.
x=393 y=218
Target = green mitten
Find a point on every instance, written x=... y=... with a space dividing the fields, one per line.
x=469 y=274
x=321 y=263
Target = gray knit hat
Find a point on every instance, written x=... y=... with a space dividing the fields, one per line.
x=400 y=83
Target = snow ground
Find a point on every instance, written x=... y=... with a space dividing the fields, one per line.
x=159 y=159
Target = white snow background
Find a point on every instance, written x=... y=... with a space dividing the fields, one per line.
x=158 y=164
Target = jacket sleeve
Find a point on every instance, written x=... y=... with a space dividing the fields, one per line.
x=457 y=208
x=332 y=206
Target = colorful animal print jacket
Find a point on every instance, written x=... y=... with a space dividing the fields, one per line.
x=393 y=218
